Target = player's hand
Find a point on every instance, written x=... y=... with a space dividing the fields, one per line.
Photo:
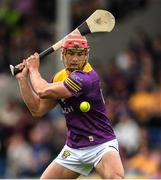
x=24 y=73
x=33 y=62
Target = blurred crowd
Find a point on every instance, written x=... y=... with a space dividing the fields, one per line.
x=131 y=84
x=133 y=89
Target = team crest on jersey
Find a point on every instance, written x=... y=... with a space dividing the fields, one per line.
x=65 y=154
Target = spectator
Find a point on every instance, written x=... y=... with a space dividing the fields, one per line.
x=128 y=133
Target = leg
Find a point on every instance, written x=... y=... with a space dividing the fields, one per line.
x=56 y=171
x=110 y=166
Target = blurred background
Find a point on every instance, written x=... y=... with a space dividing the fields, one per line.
x=128 y=60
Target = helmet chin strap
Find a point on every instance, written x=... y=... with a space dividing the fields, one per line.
x=76 y=69
x=72 y=69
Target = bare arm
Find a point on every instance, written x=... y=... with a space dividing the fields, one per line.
x=48 y=90
x=42 y=87
x=35 y=104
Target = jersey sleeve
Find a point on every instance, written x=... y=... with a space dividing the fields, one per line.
x=77 y=83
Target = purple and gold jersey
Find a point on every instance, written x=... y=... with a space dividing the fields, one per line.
x=84 y=128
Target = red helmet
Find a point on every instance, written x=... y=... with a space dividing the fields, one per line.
x=74 y=41
x=78 y=42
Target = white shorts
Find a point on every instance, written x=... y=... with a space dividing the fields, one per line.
x=83 y=160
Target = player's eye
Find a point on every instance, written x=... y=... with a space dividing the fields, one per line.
x=70 y=52
x=80 y=53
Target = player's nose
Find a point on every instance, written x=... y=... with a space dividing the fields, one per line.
x=75 y=57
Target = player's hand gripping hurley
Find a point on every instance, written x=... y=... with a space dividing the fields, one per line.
x=99 y=21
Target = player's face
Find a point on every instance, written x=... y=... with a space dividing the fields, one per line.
x=75 y=58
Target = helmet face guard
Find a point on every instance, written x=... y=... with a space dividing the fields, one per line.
x=77 y=42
